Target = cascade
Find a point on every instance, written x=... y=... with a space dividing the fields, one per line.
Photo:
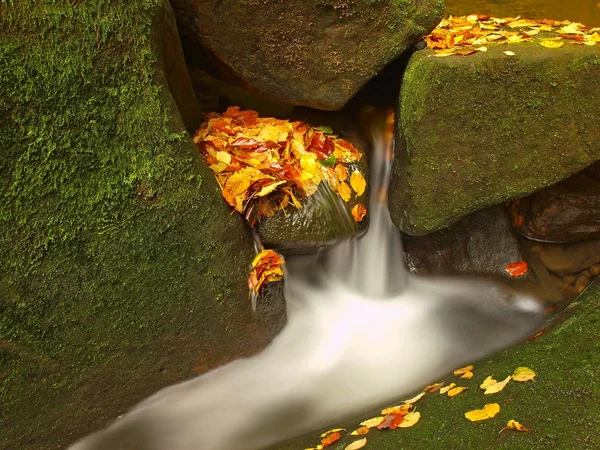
x=361 y=333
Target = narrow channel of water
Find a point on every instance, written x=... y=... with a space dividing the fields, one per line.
x=361 y=334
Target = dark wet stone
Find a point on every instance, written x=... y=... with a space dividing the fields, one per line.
x=572 y=258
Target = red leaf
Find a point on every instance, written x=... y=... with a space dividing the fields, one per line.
x=517 y=269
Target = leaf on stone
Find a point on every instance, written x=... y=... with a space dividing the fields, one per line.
x=344 y=191
x=487 y=382
x=341 y=172
x=335 y=430
x=266 y=268
x=467 y=375
x=509 y=53
x=358 y=183
x=357 y=444
x=551 y=44
x=433 y=387
x=498 y=386
x=517 y=269
x=464 y=370
x=514 y=425
x=391 y=421
x=360 y=431
x=455 y=391
x=487 y=412
x=371 y=423
x=410 y=419
x=414 y=399
x=523 y=374
x=400 y=409
x=330 y=439
x=447 y=388
x=359 y=211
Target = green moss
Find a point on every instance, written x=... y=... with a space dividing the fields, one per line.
x=488 y=113
x=116 y=241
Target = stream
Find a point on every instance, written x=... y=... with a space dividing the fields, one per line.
x=362 y=333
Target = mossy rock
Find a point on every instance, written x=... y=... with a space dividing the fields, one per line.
x=561 y=406
x=313 y=53
x=123 y=268
x=478 y=130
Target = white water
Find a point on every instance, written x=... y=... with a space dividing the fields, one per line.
x=361 y=334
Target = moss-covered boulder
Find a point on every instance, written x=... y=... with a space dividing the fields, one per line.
x=561 y=406
x=314 y=53
x=123 y=269
x=478 y=130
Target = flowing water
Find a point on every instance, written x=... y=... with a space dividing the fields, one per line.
x=361 y=334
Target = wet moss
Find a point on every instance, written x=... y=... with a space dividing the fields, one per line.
x=508 y=126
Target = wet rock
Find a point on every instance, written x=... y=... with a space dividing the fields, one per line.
x=123 y=268
x=569 y=259
x=479 y=130
x=566 y=212
x=311 y=53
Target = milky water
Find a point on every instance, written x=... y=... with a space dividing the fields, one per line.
x=361 y=334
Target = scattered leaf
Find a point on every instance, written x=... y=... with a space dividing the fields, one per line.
x=341 y=172
x=514 y=425
x=410 y=419
x=455 y=391
x=357 y=444
x=344 y=191
x=335 y=430
x=447 y=388
x=358 y=183
x=415 y=399
x=433 y=387
x=391 y=421
x=464 y=370
x=330 y=439
x=523 y=374
x=509 y=53
x=400 y=409
x=517 y=269
x=498 y=386
x=371 y=423
x=359 y=211
x=467 y=375
x=551 y=44
x=360 y=431
x=487 y=412
x=537 y=335
x=487 y=382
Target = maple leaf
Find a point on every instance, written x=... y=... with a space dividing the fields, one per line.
x=487 y=412
x=523 y=374
x=356 y=445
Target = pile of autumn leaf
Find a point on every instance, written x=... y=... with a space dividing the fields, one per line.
x=265 y=164
x=466 y=35
x=405 y=414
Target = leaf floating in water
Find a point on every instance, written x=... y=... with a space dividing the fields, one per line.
x=487 y=412
x=514 y=425
x=357 y=444
x=523 y=374
x=498 y=386
x=517 y=269
x=359 y=211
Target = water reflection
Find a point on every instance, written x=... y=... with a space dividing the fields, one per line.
x=584 y=11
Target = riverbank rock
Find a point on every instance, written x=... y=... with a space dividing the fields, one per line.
x=565 y=359
x=569 y=259
x=311 y=53
x=478 y=130
x=566 y=212
x=123 y=268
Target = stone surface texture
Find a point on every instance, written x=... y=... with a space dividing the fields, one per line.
x=306 y=52
x=123 y=269
x=479 y=130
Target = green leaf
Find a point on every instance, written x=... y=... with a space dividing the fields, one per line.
x=325 y=129
x=328 y=162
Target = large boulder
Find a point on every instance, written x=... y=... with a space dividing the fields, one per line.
x=123 y=269
x=482 y=129
x=566 y=212
x=313 y=53
x=561 y=406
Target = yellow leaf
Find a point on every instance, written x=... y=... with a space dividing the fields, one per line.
x=481 y=49
x=340 y=172
x=487 y=382
x=370 y=423
x=514 y=425
x=464 y=370
x=467 y=376
x=523 y=374
x=410 y=419
x=335 y=430
x=358 y=183
x=498 y=386
x=270 y=188
x=455 y=391
x=360 y=431
x=344 y=191
x=572 y=28
x=357 y=444
x=551 y=44
x=509 y=53
x=447 y=388
x=400 y=409
x=415 y=399
x=433 y=387
x=487 y=412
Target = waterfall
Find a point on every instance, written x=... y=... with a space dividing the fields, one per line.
x=361 y=334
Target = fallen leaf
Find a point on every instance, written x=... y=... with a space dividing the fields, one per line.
x=344 y=191
x=487 y=412
x=357 y=444
x=410 y=419
x=391 y=421
x=523 y=374
x=358 y=183
x=517 y=269
x=371 y=423
x=514 y=425
x=509 y=53
x=551 y=44
x=467 y=375
x=464 y=370
x=487 y=382
x=433 y=387
x=360 y=431
x=498 y=386
x=266 y=268
x=400 y=409
x=455 y=391
x=415 y=399
x=335 y=430
x=341 y=172
x=537 y=335
x=447 y=388
x=330 y=439
x=359 y=211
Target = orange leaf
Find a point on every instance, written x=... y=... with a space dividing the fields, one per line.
x=391 y=421
x=517 y=269
x=359 y=211
x=341 y=172
x=330 y=439
x=360 y=431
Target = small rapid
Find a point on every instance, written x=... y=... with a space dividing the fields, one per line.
x=361 y=334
